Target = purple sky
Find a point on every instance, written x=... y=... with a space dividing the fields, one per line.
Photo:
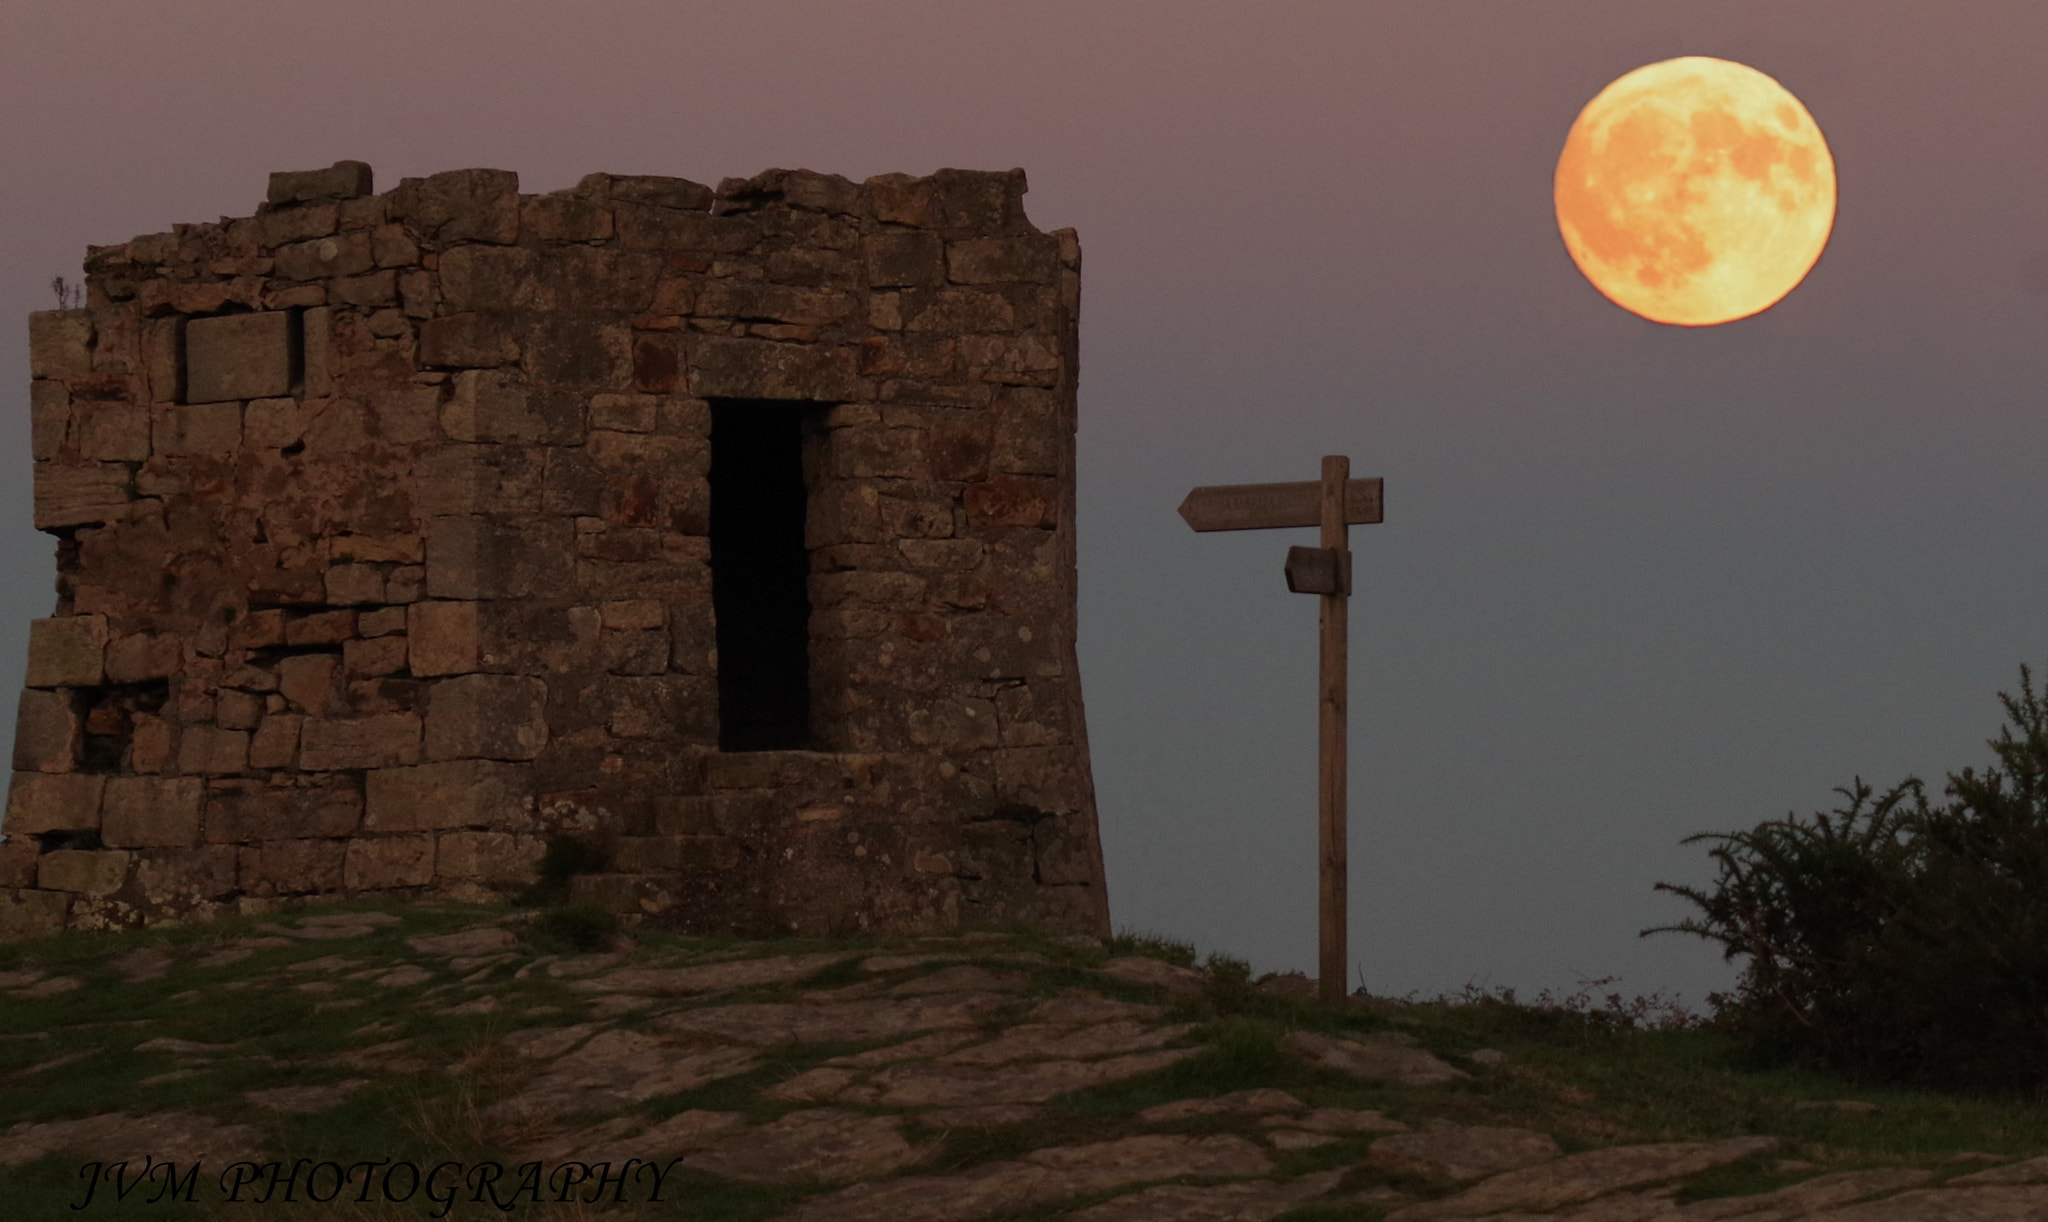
x=1634 y=581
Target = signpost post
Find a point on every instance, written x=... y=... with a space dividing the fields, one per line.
x=1335 y=503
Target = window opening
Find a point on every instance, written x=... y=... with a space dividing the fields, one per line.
x=760 y=574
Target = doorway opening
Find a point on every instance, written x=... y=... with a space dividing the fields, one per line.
x=760 y=574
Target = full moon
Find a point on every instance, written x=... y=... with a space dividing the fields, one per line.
x=1695 y=191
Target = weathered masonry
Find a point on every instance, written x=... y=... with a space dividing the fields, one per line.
x=730 y=531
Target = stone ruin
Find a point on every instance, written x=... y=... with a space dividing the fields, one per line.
x=729 y=532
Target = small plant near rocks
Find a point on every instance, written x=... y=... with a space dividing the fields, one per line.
x=583 y=927
x=564 y=858
x=1153 y=946
x=1895 y=938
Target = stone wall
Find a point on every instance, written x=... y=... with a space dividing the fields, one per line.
x=384 y=555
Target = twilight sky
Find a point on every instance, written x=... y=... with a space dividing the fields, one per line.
x=1634 y=581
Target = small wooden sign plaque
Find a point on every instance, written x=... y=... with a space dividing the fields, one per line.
x=1319 y=570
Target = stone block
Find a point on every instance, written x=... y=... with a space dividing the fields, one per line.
x=841 y=512
x=258 y=630
x=487 y=717
x=18 y=863
x=462 y=205
x=60 y=344
x=237 y=710
x=674 y=707
x=291 y=867
x=316 y=327
x=383 y=656
x=163 y=358
x=281 y=226
x=633 y=413
x=903 y=258
x=345 y=254
x=442 y=638
x=66 y=651
x=46 y=732
x=639 y=652
x=149 y=750
x=644 y=227
x=764 y=369
x=246 y=811
x=473 y=556
x=238 y=356
x=565 y=218
x=632 y=614
x=81 y=493
x=384 y=621
x=49 y=413
x=493 y=858
x=754 y=301
x=141 y=656
x=648 y=189
x=391 y=246
x=203 y=428
x=960 y=311
x=143 y=812
x=1011 y=360
x=491 y=278
x=900 y=199
x=453 y=794
x=273 y=424
x=466 y=479
x=212 y=751
x=28 y=914
x=88 y=871
x=351 y=585
x=110 y=432
x=977 y=199
x=182 y=877
x=342 y=180
x=307 y=680
x=468 y=341
x=951 y=724
x=657 y=359
x=1029 y=258
x=1012 y=500
x=948 y=555
x=320 y=627
x=368 y=291
x=383 y=740
x=494 y=405
x=386 y=862
x=276 y=741
x=587 y=352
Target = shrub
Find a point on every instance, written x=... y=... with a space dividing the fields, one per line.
x=1894 y=938
x=581 y=926
x=564 y=857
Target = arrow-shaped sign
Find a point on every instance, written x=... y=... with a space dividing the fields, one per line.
x=1266 y=506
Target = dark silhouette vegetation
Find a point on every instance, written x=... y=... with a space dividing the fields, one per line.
x=1895 y=938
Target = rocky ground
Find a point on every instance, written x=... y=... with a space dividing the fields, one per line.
x=983 y=1076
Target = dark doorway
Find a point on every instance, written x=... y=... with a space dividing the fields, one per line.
x=759 y=572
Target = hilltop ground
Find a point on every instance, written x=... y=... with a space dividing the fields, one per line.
x=323 y=1064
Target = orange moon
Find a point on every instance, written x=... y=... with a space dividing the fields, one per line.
x=1695 y=191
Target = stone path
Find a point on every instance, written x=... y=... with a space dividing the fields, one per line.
x=848 y=1075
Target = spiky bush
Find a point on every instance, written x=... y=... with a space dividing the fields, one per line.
x=1895 y=938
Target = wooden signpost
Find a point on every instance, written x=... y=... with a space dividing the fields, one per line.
x=1335 y=503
